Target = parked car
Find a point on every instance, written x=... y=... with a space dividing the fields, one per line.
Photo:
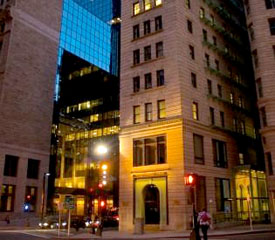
x=51 y=222
x=111 y=219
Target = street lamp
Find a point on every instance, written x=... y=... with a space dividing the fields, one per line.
x=45 y=193
x=101 y=149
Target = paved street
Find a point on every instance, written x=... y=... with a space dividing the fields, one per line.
x=18 y=236
x=260 y=236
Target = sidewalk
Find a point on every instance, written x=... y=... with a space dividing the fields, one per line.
x=240 y=230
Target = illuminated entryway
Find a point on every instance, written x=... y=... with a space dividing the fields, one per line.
x=151 y=200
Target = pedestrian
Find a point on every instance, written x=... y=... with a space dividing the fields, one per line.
x=204 y=220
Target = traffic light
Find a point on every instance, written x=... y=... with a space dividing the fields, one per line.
x=190 y=179
x=103 y=174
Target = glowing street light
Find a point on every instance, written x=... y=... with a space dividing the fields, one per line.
x=101 y=150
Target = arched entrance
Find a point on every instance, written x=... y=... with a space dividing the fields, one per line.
x=151 y=204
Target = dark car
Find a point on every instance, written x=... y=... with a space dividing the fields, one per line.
x=111 y=219
x=48 y=222
x=78 y=222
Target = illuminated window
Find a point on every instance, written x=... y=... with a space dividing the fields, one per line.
x=68 y=168
x=202 y=13
x=136 y=8
x=195 y=111
x=223 y=196
x=30 y=198
x=7 y=198
x=198 y=149
x=241 y=104
x=241 y=159
x=161 y=109
x=158 y=2
x=232 y=98
x=147 y=5
x=148 y=112
x=136 y=116
x=187 y=4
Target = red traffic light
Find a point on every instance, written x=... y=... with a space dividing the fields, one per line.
x=190 y=179
x=28 y=197
x=100 y=185
x=102 y=204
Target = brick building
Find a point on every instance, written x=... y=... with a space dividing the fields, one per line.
x=185 y=73
x=29 y=40
x=260 y=18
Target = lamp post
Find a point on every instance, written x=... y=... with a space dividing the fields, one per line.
x=45 y=193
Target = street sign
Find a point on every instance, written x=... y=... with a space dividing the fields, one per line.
x=69 y=202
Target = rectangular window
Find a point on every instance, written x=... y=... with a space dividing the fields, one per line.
x=189 y=26
x=217 y=65
x=68 y=167
x=147 y=27
x=235 y=124
x=192 y=52
x=231 y=96
x=259 y=87
x=263 y=115
x=202 y=13
x=31 y=198
x=33 y=169
x=219 y=153
x=269 y=163
x=214 y=41
x=136 y=31
x=212 y=20
x=270 y=4
x=255 y=58
x=160 y=78
x=148 y=80
x=136 y=114
x=241 y=104
x=209 y=86
x=212 y=115
x=251 y=31
x=147 y=53
x=148 y=112
x=204 y=34
x=272 y=25
x=7 y=198
x=136 y=8
x=194 y=80
x=147 y=5
x=219 y=90
x=195 y=111
x=161 y=109
x=242 y=127
x=136 y=56
x=222 y=119
x=158 y=23
x=207 y=59
x=187 y=4
x=159 y=49
x=149 y=151
x=198 y=149
x=136 y=84
x=158 y=2
x=223 y=195
x=11 y=164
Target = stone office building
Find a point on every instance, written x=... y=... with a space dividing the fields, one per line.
x=186 y=70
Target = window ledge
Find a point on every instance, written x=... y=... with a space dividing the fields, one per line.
x=145 y=11
x=147 y=35
x=145 y=62
x=148 y=90
x=150 y=168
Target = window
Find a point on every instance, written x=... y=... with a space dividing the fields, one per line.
x=259 y=87
x=147 y=53
x=31 y=197
x=217 y=65
x=136 y=56
x=147 y=27
x=160 y=77
x=158 y=23
x=33 y=169
x=148 y=112
x=136 y=84
x=270 y=4
x=223 y=196
x=241 y=158
x=242 y=127
x=147 y=5
x=68 y=167
x=159 y=49
x=192 y=52
x=255 y=58
x=11 y=164
x=136 y=31
x=219 y=90
x=149 y=151
x=212 y=20
x=202 y=13
x=235 y=124
x=136 y=114
x=194 y=80
x=222 y=119
x=158 y=2
x=214 y=41
x=148 y=80
x=251 y=31
x=195 y=111
x=241 y=105
x=263 y=115
x=231 y=96
x=161 y=109
x=219 y=153
x=204 y=34
x=198 y=149
x=207 y=59
x=136 y=8
x=187 y=4
x=7 y=198
x=212 y=115
x=189 y=26
x=269 y=163
x=272 y=25
x=209 y=86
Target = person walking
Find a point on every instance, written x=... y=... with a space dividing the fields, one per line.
x=204 y=220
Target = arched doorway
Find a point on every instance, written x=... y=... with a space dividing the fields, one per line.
x=151 y=204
